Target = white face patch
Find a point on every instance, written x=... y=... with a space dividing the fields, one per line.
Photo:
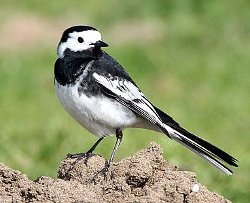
x=89 y=37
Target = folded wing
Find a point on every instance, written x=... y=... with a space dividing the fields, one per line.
x=128 y=94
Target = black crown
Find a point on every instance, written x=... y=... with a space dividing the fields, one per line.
x=77 y=28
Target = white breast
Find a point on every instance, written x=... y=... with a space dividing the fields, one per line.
x=99 y=115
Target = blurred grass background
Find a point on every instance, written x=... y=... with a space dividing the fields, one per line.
x=191 y=58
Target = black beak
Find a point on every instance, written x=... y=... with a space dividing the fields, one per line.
x=100 y=44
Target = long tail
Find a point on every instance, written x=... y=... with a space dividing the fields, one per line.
x=199 y=146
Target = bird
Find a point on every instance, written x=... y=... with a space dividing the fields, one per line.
x=101 y=96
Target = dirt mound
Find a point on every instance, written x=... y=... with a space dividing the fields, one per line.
x=144 y=177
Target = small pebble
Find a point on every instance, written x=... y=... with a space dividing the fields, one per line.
x=195 y=188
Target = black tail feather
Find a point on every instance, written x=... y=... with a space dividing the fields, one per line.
x=213 y=150
x=205 y=155
x=201 y=147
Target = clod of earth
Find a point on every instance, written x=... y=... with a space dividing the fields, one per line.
x=144 y=177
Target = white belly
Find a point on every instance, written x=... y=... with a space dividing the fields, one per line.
x=101 y=116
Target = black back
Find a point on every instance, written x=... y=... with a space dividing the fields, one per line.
x=68 y=69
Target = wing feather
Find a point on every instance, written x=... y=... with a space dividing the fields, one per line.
x=129 y=95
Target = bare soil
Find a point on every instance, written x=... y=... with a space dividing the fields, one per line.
x=144 y=177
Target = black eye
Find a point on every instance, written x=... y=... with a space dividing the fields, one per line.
x=80 y=40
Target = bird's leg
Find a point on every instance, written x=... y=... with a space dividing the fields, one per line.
x=118 y=142
x=94 y=146
x=88 y=153
x=110 y=160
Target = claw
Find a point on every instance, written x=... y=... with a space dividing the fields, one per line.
x=79 y=156
x=103 y=171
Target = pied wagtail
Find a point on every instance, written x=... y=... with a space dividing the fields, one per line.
x=98 y=93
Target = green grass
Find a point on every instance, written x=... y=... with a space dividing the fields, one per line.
x=197 y=70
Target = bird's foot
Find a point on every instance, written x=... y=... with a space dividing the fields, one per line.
x=103 y=171
x=79 y=156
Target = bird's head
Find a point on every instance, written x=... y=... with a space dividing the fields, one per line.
x=78 y=39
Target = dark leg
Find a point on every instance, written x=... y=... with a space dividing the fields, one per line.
x=94 y=146
x=88 y=153
x=108 y=162
x=118 y=142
